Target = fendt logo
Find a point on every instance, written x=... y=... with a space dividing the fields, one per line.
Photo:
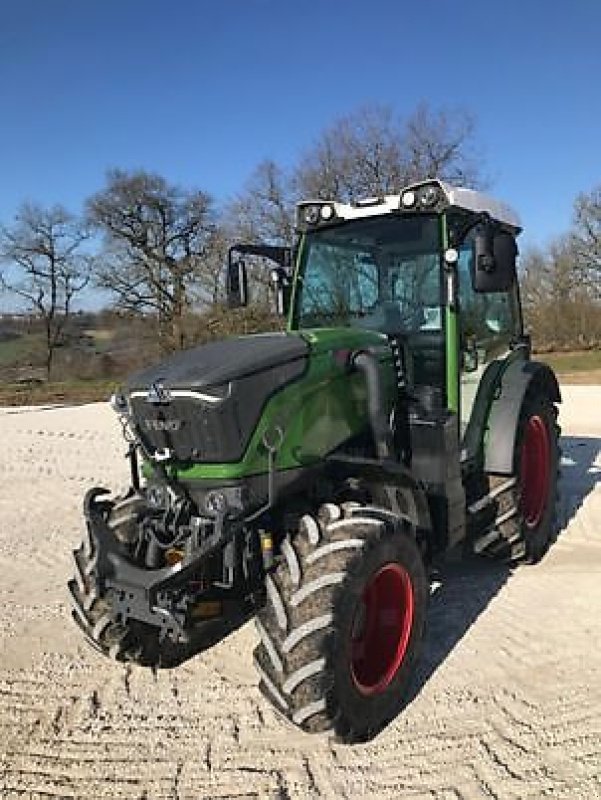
x=167 y=425
x=158 y=395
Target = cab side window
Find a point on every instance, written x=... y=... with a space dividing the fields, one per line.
x=486 y=319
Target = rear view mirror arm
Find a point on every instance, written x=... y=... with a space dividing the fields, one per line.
x=457 y=237
x=281 y=255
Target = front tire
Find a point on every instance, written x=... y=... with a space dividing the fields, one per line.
x=343 y=622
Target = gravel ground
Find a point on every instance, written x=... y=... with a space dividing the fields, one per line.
x=507 y=703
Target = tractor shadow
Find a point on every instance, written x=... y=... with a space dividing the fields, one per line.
x=462 y=589
x=580 y=472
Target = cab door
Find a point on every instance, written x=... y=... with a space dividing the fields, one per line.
x=489 y=324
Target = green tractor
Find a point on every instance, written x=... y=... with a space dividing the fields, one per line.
x=312 y=478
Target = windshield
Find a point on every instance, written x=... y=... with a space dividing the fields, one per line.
x=381 y=273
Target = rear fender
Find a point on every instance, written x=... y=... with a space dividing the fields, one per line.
x=518 y=379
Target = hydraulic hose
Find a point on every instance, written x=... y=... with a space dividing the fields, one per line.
x=369 y=365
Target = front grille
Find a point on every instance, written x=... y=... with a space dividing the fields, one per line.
x=189 y=429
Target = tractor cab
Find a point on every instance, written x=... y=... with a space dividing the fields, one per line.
x=432 y=269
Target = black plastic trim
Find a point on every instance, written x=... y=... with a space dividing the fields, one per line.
x=217 y=363
x=472 y=438
x=517 y=380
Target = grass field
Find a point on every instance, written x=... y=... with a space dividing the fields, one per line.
x=573 y=362
x=74 y=391
x=15 y=352
x=576 y=367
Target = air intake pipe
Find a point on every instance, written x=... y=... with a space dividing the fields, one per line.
x=368 y=364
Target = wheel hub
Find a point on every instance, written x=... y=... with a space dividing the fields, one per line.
x=381 y=629
x=534 y=471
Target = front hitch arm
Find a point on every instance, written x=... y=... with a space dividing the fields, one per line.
x=143 y=594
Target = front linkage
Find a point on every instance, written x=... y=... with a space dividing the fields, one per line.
x=156 y=617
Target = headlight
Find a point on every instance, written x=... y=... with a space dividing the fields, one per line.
x=428 y=195
x=326 y=213
x=312 y=214
x=408 y=199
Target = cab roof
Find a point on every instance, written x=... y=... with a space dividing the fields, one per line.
x=442 y=196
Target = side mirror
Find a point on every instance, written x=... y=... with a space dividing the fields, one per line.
x=280 y=281
x=236 y=283
x=494 y=261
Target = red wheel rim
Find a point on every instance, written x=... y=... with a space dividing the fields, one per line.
x=381 y=629
x=534 y=471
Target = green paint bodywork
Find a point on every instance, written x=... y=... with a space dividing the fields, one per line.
x=451 y=338
x=315 y=413
x=452 y=358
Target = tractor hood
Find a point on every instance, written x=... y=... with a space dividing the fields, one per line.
x=203 y=405
x=219 y=363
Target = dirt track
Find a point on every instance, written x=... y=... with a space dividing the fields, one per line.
x=507 y=705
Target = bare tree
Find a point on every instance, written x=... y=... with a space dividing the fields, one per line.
x=264 y=210
x=156 y=238
x=209 y=286
x=371 y=152
x=46 y=267
x=558 y=305
x=359 y=155
x=440 y=144
x=586 y=239
x=534 y=283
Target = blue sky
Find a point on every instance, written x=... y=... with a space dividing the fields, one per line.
x=203 y=91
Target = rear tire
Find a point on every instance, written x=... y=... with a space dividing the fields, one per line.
x=343 y=622
x=526 y=520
